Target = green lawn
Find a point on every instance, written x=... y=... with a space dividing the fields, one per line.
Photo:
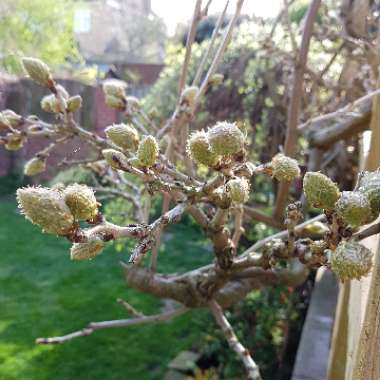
x=43 y=293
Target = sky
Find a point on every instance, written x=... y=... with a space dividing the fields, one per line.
x=179 y=11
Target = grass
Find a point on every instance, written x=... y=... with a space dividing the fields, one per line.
x=43 y=293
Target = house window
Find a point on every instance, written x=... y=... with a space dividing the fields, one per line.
x=82 y=21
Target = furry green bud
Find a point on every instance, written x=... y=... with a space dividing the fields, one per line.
x=198 y=148
x=238 y=189
x=225 y=138
x=12 y=117
x=369 y=185
x=114 y=87
x=320 y=191
x=46 y=208
x=81 y=201
x=351 y=260
x=50 y=103
x=86 y=251
x=14 y=142
x=38 y=71
x=147 y=151
x=35 y=166
x=74 y=103
x=124 y=136
x=189 y=94
x=133 y=104
x=115 y=102
x=354 y=208
x=114 y=158
x=284 y=168
x=216 y=79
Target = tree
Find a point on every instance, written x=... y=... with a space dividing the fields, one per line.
x=43 y=28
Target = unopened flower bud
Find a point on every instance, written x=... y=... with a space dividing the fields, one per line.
x=124 y=136
x=114 y=87
x=4 y=122
x=369 y=185
x=147 y=151
x=50 y=103
x=81 y=201
x=285 y=169
x=46 y=208
x=199 y=150
x=351 y=260
x=225 y=138
x=14 y=142
x=238 y=189
x=35 y=166
x=133 y=103
x=189 y=95
x=114 y=158
x=354 y=208
x=320 y=191
x=12 y=117
x=86 y=251
x=74 y=103
x=115 y=102
x=38 y=71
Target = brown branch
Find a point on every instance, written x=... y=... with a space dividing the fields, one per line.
x=374 y=229
x=93 y=326
x=295 y=103
x=250 y=366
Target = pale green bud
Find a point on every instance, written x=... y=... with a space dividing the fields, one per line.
x=81 y=201
x=114 y=158
x=354 y=208
x=74 y=103
x=38 y=71
x=46 y=208
x=369 y=185
x=225 y=138
x=124 y=136
x=14 y=142
x=238 y=189
x=216 y=79
x=147 y=151
x=199 y=150
x=284 y=168
x=35 y=166
x=320 y=191
x=189 y=94
x=50 y=103
x=351 y=260
x=133 y=103
x=86 y=251
x=114 y=87
x=12 y=117
x=115 y=102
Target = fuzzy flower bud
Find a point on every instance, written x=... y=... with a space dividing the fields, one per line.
x=114 y=158
x=147 y=151
x=369 y=185
x=320 y=191
x=354 y=208
x=198 y=148
x=124 y=136
x=46 y=208
x=74 y=103
x=114 y=87
x=115 y=102
x=86 y=251
x=133 y=103
x=81 y=201
x=39 y=71
x=34 y=166
x=14 y=142
x=284 y=168
x=225 y=138
x=351 y=260
x=189 y=95
x=49 y=103
x=12 y=117
x=216 y=79
x=238 y=189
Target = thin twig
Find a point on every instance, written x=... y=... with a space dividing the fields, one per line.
x=130 y=308
x=295 y=102
x=251 y=367
x=93 y=326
